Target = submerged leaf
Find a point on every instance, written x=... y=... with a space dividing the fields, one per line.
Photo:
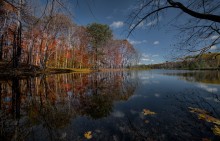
x=209 y=118
x=148 y=112
x=197 y=110
x=88 y=135
x=204 y=115
x=216 y=130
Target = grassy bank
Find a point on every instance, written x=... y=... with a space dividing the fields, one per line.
x=7 y=71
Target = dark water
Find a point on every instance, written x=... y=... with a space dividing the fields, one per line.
x=112 y=106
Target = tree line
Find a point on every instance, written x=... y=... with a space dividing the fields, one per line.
x=206 y=61
x=54 y=40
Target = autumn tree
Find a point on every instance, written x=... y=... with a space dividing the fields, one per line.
x=199 y=26
x=81 y=49
x=11 y=21
x=119 y=54
x=44 y=35
x=98 y=34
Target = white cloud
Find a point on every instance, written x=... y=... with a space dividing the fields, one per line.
x=132 y=26
x=133 y=42
x=117 y=24
x=145 y=59
x=145 y=41
x=141 y=24
x=136 y=96
x=153 y=22
x=213 y=47
x=208 y=88
x=156 y=42
x=145 y=55
x=148 y=58
x=155 y=55
x=214 y=37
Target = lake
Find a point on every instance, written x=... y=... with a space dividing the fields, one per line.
x=112 y=106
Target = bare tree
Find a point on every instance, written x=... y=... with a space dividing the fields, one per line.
x=199 y=26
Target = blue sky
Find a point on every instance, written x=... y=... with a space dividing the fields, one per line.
x=154 y=44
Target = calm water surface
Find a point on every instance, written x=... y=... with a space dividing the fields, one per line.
x=112 y=106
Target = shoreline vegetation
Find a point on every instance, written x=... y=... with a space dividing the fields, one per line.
x=33 y=71
x=7 y=71
x=210 y=61
x=206 y=61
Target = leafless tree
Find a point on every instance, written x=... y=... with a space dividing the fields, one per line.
x=199 y=21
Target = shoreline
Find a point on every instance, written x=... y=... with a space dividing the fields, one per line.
x=8 y=73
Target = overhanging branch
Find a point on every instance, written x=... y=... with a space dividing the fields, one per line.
x=211 y=17
x=146 y=16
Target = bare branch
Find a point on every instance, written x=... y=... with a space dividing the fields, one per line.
x=145 y=17
x=211 y=17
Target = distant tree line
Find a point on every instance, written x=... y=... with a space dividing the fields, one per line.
x=205 y=61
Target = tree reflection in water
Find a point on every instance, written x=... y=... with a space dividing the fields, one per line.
x=47 y=104
x=208 y=77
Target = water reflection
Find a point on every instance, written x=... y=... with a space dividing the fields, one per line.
x=209 y=77
x=47 y=104
x=127 y=106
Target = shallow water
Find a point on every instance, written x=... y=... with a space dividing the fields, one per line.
x=115 y=106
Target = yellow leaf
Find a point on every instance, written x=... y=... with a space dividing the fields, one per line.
x=217 y=121
x=209 y=118
x=148 y=112
x=202 y=116
x=197 y=110
x=88 y=135
x=216 y=130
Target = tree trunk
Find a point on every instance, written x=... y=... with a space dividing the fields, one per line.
x=1 y=47
x=16 y=98
x=14 y=57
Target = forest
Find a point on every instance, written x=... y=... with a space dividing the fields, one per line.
x=53 y=40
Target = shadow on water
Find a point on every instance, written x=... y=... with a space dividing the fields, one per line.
x=49 y=103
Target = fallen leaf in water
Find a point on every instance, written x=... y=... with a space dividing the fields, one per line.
x=216 y=130
x=148 y=112
x=209 y=118
x=197 y=110
x=88 y=135
x=204 y=115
